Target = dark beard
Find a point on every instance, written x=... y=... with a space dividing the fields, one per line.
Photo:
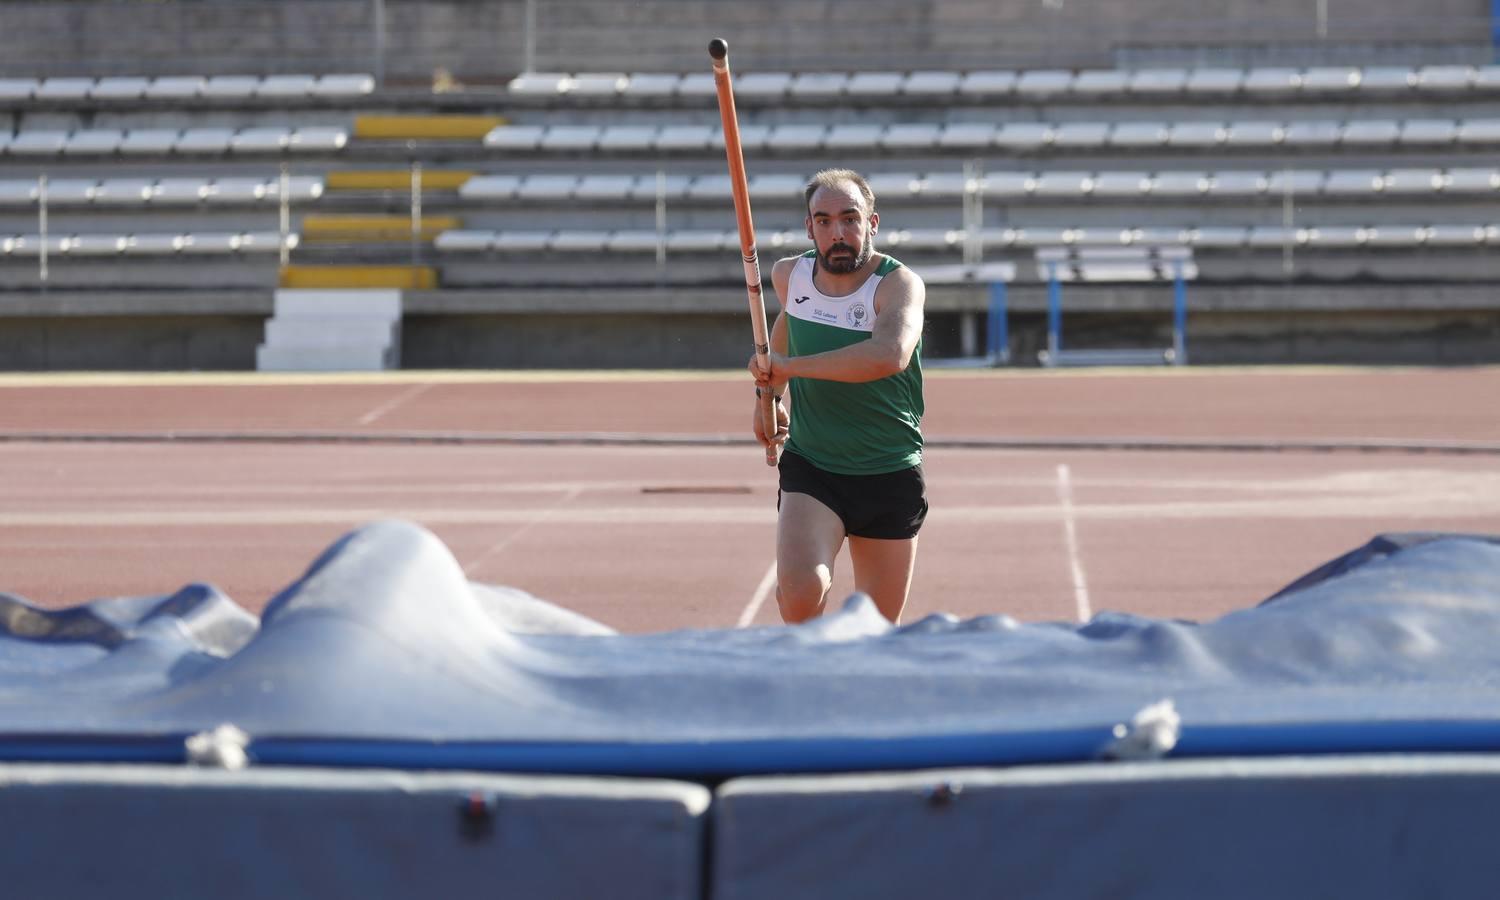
x=841 y=267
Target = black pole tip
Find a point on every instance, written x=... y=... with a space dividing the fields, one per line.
x=717 y=48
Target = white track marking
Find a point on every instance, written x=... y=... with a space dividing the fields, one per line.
x=762 y=591
x=1070 y=534
x=539 y=518
x=394 y=402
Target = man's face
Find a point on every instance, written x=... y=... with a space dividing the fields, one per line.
x=841 y=227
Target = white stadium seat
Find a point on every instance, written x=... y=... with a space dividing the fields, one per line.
x=18 y=191
x=911 y=136
x=1271 y=236
x=634 y=241
x=1044 y=83
x=1080 y=134
x=603 y=85
x=967 y=136
x=514 y=137
x=652 y=85
x=605 y=187
x=1445 y=78
x=860 y=136
x=521 y=241
x=993 y=83
x=290 y=87
x=298 y=188
x=1414 y=181
x=762 y=86
x=260 y=140
x=1064 y=185
x=1122 y=184
x=1294 y=181
x=1271 y=82
x=699 y=241
x=203 y=140
x=1255 y=134
x=181 y=191
x=153 y=244
x=819 y=85
x=1024 y=136
x=1330 y=79
x=125 y=191
x=149 y=141
x=946 y=184
x=628 y=138
x=1197 y=134
x=1097 y=82
x=1008 y=185
x=930 y=84
x=1471 y=180
x=175 y=87
x=1394 y=235
x=1238 y=184
x=1486 y=78
x=571 y=137
x=685 y=138
x=490 y=187
x=710 y=187
x=547 y=187
x=1352 y=183
x=895 y=185
x=1386 y=79
x=538 y=84
x=1428 y=131
x=209 y=242
x=1155 y=82
x=114 y=87
x=344 y=85
x=1319 y=133
x=96 y=245
x=17 y=88
x=579 y=241
x=1367 y=132
x=1332 y=236
x=924 y=238
x=236 y=190
x=38 y=143
x=874 y=85
x=1479 y=131
x=230 y=87
x=1214 y=81
x=1453 y=235
x=93 y=142
x=669 y=187
x=795 y=137
x=696 y=85
x=777 y=187
x=64 y=88
x=263 y=242
x=1139 y=134
x=1180 y=184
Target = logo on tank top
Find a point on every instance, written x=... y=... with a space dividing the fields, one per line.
x=856 y=315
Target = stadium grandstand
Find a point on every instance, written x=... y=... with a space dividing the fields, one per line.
x=533 y=184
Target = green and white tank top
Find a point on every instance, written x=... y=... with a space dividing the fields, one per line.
x=868 y=428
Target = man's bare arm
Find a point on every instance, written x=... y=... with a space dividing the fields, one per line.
x=899 y=302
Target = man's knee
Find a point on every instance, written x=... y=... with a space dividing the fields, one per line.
x=801 y=595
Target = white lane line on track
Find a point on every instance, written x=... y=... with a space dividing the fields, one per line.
x=394 y=402
x=1070 y=535
x=762 y=591
x=540 y=518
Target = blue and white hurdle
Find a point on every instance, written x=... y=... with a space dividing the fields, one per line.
x=1115 y=264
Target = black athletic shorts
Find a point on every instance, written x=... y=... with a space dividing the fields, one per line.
x=891 y=506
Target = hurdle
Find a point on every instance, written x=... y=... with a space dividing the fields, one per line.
x=997 y=326
x=1115 y=264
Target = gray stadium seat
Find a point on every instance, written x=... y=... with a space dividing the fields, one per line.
x=628 y=138
x=175 y=87
x=1024 y=136
x=263 y=242
x=1428 y=131
x=580 y=241
x=1197 y=134
x=1386 y=79
x=1043 y=236
x=1319 y=133
x=1044 y=83
x=18 y=191
x=64 y=88
x=603 y=85
x=1271 y=82
x=153 y=244
x=1352 y=183
x=37 y=143
x=1414 y=181
x=1471 y=180
x=181 y=191
x=996 y=83
x=915 y=136
x=795 y=137
x=1445 y=78
x=17 y=88
x=343 y=84
x=1180 y=184
x=286 y=87
x=1159 y=236
x=96 y=245
x=71 y=191
x=1295 y=181
x=318 y=139
x=93 y=142
x=490 y=187
x=1254 y=134
x=119 y=88
x=1097 y=82
x=1007 y=185
x=260 y=140
x=210 y=242
x=652 y=85
x=1453 y=235
x=685 y=138
x=125 y=191
x=753 y=138
x=1486 y=78
x=1218 y=236
x=1332 y=236
x=1479 y=131
x=570 y=138
x=634 y=241
x=1238 y=184
x=537 y=84
x=203 y=140
x=694 y=241
x=604 y=187
x=1121 y=184
x=236 y=190
x=818 y=85
x=710 y=187
x=858 y=136
x=1080 y=134
x=149 y=141
x=1155 y=82
x=946 y=184
x=1330 y=79
x=1139 y=134
x=514 y=137
x=1394 y=235
x=894 y=185
x=519 y=241
x=298 y=188
x=1214 y=81
x=464 y=240
x=930 y=84
x=967 y=136
x=547 y=187
x=763 y=86
x=230 y=87
x=670 y=187
x=777 y=187
x=874 y=85
x=924 y=238
x=697 y=85
x=1271 y=236
x=1062 y=185
x=1368 y=132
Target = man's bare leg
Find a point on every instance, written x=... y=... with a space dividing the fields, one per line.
x=808 y=538
x=882 y=569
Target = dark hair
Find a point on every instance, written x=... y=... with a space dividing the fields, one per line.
x=834 y=178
